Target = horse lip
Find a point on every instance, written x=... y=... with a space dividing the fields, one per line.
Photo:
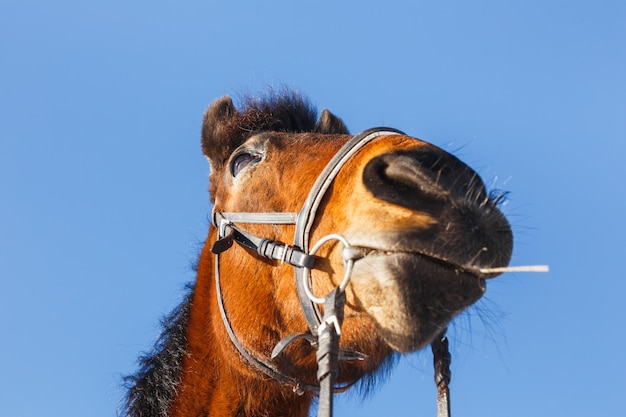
x=355 y=253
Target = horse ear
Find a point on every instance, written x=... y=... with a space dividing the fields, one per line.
x=329 y=123
x=216 y=145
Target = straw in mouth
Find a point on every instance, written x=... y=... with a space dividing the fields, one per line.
x=526 y=268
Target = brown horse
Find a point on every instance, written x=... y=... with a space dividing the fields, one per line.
x=415 y=226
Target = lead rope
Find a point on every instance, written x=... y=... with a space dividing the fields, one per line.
x=328 y=349
x=441 y=362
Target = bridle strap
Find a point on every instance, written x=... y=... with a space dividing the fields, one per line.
x=308 y=212
x=256 y=218
x=229 y=233
x=264 y=366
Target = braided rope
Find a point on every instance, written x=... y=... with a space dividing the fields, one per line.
x=441 y=362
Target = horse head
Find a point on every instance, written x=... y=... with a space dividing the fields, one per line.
x=415 y=224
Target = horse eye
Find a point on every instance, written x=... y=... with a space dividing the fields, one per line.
x=241 y=161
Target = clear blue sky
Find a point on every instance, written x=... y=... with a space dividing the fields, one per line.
x=103 y=201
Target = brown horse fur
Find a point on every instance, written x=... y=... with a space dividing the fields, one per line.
x=424 y=217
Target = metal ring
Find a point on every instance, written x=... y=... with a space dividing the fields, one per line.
x=348 y=264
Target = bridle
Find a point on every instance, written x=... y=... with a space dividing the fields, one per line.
x=324 y=330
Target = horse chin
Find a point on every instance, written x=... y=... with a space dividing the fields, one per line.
x=411 y=297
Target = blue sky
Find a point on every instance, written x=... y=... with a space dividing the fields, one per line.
x=103 y=201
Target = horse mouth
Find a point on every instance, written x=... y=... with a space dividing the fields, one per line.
x=412 y=296
x=358 y=252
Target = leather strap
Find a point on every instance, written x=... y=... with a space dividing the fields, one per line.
x=257 y=361
x=266 y=248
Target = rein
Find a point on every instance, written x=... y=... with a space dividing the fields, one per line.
x=324 y=330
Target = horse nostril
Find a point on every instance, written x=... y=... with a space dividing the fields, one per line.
x=420 y=178
x=406 y=173
x=405 y=178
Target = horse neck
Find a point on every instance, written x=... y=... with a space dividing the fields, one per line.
x=215 y=380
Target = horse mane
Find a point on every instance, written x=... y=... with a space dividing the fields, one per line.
x=152 y=388
x=278 y=111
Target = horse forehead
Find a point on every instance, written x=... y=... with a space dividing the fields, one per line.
x=394 y=142
x=320 y=146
